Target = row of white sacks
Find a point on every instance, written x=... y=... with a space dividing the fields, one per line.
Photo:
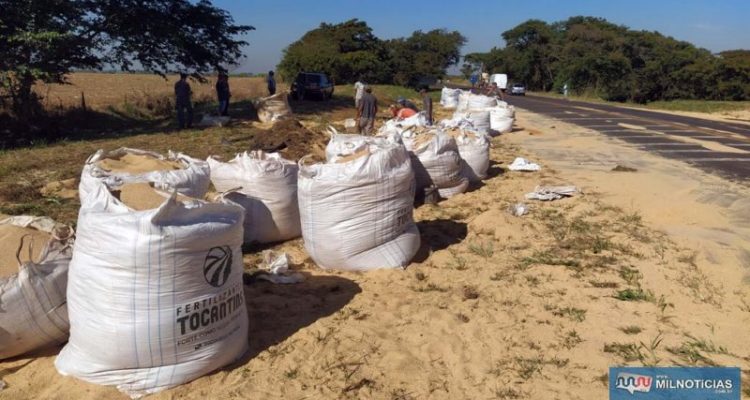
x=154 y=297
x=478 y=112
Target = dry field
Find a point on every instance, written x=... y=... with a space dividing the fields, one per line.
x=105 y=90
x=648 y=267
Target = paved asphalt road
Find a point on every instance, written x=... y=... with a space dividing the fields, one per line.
x=671 y=136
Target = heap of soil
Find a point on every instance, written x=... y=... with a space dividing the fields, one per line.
x=137 y=164
x=10 y=239
x=291 y=139
x=142 y=196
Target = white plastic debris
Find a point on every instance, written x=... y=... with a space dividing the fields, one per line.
x=519 y=209
x=547 y=193
x=522 y=164
x=210 y=120
x=277 y=271
x=275 y=263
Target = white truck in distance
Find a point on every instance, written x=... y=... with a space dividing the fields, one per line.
x=500 y=79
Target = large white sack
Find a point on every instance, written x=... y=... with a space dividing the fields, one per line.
x=480 y=119
x=155 y=297
x=500 y=122
x=474 y=149
x=463 y=100
x=267 y=191
x=508 y=112
x=436 y=162
x=33 y=311
x=357 y=212
x=449 y=97
x=273 y=108
x=191 y=181
x=480 y=102
x=345 y=144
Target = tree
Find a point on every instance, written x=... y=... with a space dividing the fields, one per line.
x=424 y=56
x=349 y=50
x=47 y=39
x=613 y=62
x=535 y=44
x=345 y=51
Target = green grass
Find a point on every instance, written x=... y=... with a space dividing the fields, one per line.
x=637 y=294
x=631 y=330
x=572 y=313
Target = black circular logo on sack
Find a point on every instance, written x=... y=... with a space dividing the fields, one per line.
x=218 y=265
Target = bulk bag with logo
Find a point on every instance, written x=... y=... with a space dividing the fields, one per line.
x=33 y=313
x=155 y=297
x=474 y=149
x=267 y=191
x=357 y=210
x=189 y=176
x=436 y=162
x=273 y=108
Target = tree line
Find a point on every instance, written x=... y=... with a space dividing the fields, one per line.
x=349 y=51
x=596 y=57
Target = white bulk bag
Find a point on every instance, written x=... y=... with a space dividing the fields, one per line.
x=357 y=213
x=33 y=311
x=449 y=97
x=499 y=122
x=267 y=191
x=508 y=112
x=273 y=108
x=480 y=102
x=191 y=181
x=463 y=100
x=474 y=150
x=155 y=297
x=436 y=162
x=480 y=119
x=344 y=144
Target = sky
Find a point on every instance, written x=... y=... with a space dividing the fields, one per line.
x=715 y=25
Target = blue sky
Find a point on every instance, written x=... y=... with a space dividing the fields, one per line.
x=716 y=25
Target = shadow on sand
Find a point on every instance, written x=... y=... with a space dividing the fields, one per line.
x=278 y=311
x=438 y=234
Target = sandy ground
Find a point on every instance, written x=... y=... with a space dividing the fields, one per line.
x=642 y=268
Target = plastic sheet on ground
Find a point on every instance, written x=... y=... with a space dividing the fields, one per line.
x=548 y=193
x=522 y=164
x=275 y=269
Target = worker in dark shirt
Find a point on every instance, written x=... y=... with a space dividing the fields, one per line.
x=271 y=84
x=426 y=105
x=368 y=109
x=182 y=93
x=223 y=94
